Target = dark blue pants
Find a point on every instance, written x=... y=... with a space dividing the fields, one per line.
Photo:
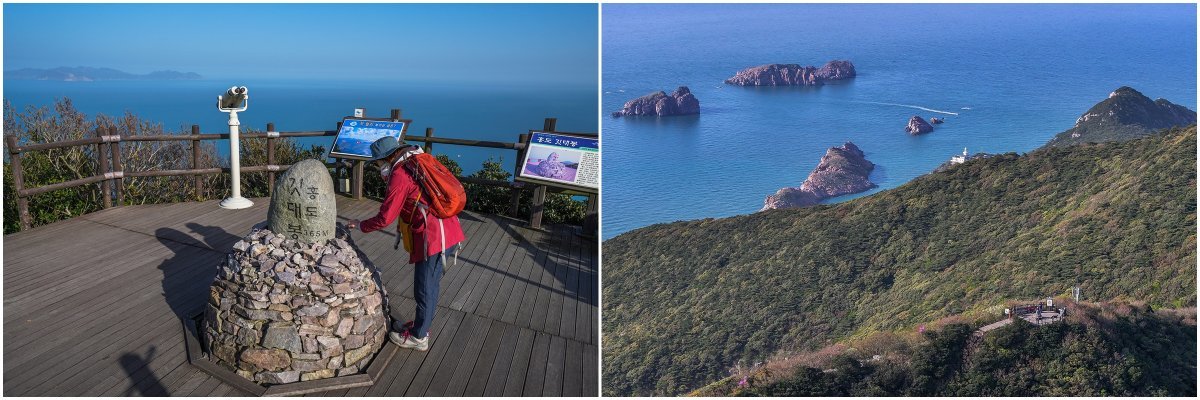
x=427 y=282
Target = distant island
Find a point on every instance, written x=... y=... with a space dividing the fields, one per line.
x=793 y=74
x=681 y=101
x=89 y=74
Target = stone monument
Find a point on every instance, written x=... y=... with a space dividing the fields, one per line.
x=294 y=302
x=303 y=207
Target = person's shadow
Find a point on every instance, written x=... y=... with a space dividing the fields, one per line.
x=188 y=274
x=133 y=364
x=186 y=277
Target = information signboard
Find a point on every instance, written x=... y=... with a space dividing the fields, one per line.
x=564 y=160
x=356 y=135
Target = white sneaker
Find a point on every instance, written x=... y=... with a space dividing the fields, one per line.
x=407 y=326
x=407 y=341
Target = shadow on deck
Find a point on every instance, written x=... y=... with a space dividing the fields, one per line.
x=93 y=305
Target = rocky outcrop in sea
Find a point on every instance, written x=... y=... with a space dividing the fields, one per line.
x=843 y=170
x=793 y=74
x=917 y=126
x=681 y=101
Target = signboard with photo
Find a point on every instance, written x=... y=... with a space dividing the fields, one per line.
x=561 y=159
x=356 y=135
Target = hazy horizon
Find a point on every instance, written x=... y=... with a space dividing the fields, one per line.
x=464 y=43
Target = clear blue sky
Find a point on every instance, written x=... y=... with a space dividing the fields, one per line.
x=514 y=43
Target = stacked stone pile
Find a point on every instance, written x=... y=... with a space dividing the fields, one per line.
x=282 y=310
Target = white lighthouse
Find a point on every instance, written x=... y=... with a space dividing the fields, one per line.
x=959 y=159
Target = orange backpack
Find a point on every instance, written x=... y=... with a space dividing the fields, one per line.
x=442 y=191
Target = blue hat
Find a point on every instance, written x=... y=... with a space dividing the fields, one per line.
x=384 y=147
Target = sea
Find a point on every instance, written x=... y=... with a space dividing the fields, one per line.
x=1006 y=78
x=480 y=111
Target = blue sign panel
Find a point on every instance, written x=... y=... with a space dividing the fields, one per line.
x=355 y=137
x=566 y=160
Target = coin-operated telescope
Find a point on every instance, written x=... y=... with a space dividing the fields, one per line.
x=235 y=99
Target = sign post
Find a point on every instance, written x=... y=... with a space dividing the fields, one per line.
x=354 y=138
x=564 y=160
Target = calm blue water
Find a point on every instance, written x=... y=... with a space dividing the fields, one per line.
x=486 y=112
x=1025 y=72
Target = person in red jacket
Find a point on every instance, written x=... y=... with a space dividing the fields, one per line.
x=432 y=237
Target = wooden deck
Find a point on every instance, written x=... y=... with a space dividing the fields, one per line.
x=93 y=305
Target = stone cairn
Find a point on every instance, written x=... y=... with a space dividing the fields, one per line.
x=296 y=305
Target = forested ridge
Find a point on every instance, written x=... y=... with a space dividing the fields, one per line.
x=685 y=301
x=1100 y=349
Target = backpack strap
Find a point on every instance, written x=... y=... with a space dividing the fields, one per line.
x=441 y=233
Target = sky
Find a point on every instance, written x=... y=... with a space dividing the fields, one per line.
x=516 y=43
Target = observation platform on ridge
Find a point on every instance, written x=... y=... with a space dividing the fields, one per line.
x=93 y=305
x=1043 y=317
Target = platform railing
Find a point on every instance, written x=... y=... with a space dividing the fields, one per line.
x=112 y=174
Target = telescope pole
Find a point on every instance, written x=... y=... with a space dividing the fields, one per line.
x=236 y=201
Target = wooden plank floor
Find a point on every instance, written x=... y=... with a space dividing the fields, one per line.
x=93 y=305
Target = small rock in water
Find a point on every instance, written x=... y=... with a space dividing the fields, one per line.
x=917 y=125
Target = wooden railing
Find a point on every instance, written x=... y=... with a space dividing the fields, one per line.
x=111 y=175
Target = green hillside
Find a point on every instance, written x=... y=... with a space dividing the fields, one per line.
x=1126 y=114
x=1107 y=349
x=683 y=302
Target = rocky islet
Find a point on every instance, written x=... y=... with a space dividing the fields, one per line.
x=793 y=74
x=917 y=125
x=843 y=170
x=681 y=101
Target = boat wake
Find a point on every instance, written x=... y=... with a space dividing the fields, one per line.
x=910 y=106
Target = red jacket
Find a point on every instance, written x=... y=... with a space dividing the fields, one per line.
x=400 y=202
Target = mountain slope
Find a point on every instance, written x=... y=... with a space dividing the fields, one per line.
x=1125 y=114
x=685 y=301
x=1106 y=349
